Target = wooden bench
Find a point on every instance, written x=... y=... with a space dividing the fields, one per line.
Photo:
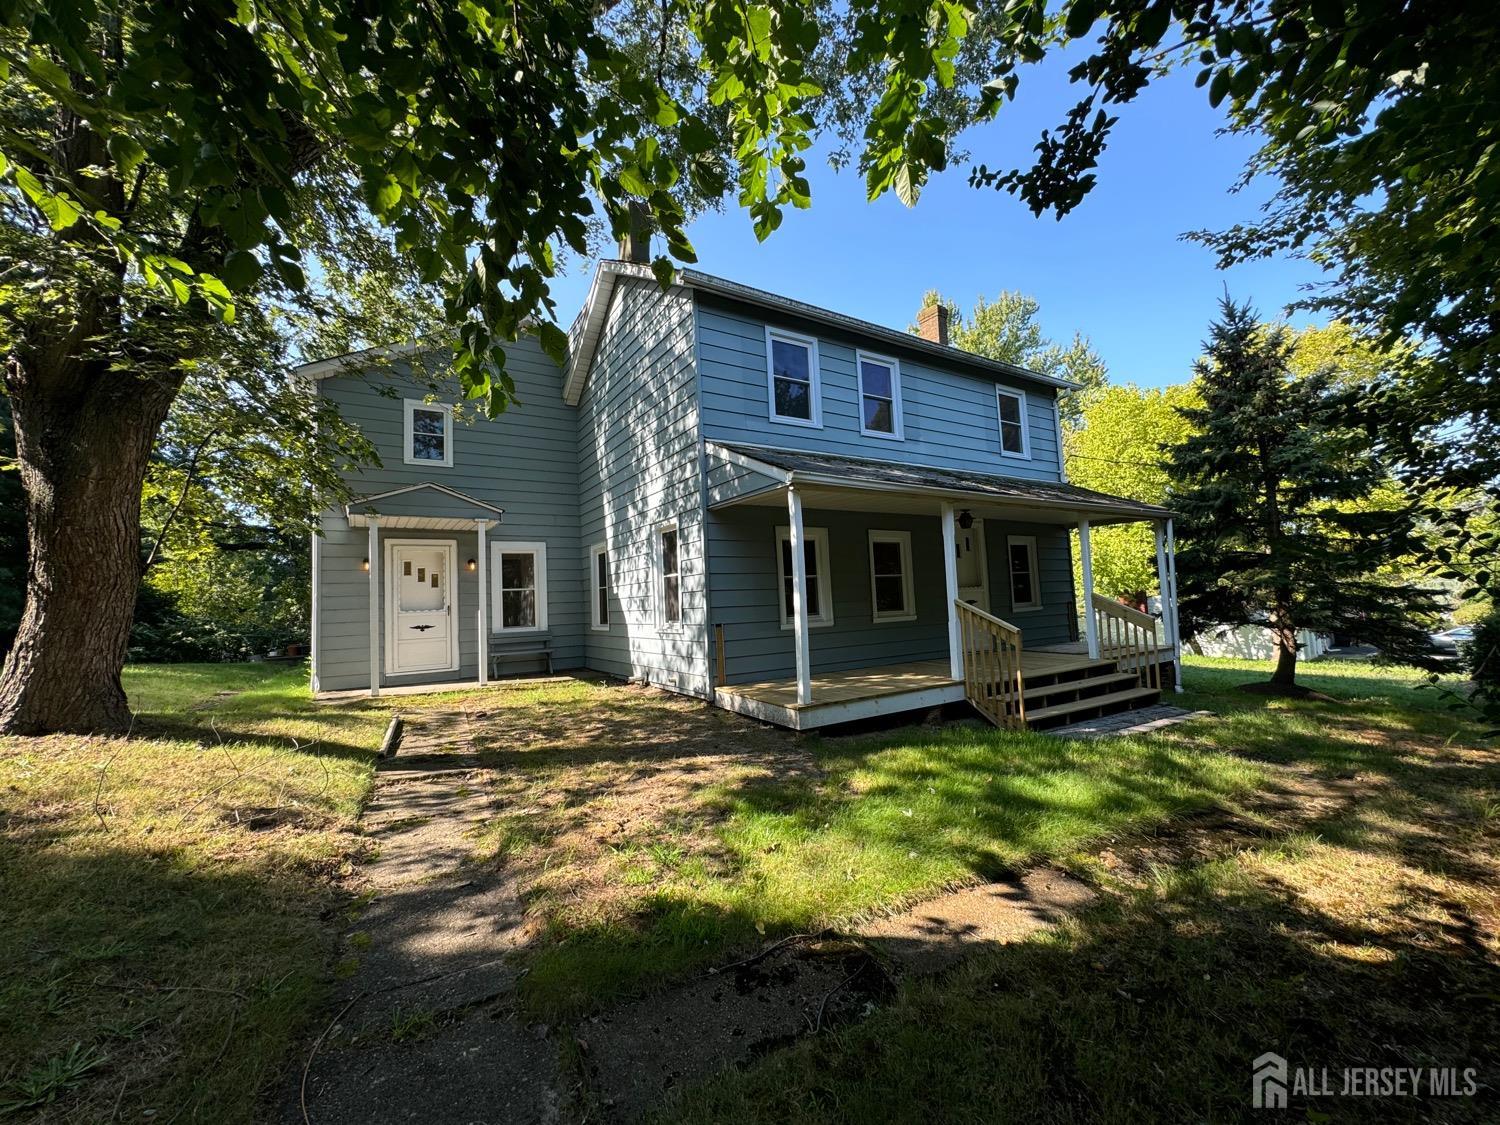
x=542 y=648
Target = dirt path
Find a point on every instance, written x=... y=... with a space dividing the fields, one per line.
x=425 y=1030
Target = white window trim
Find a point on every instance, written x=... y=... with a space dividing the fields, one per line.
x=908 y=594
x=500 y=547
x=1029 y=542
x=898 y=421
x=1020 y=397
x=818 y=535
x=412 y=404
x=595 y=552
x=660 y=584
x=815 y=384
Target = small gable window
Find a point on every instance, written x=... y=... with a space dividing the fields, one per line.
x=879 y=396
x=792 y=378
x=428 y=433
x=1013 y=441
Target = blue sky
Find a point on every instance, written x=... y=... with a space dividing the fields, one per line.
x=1114 y=269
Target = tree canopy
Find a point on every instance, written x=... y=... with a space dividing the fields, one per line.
x=1280 y=522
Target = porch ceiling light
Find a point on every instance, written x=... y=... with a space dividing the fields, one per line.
x=965 y=519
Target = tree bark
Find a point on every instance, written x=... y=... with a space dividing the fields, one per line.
x=83 y=440
x=1285 y=674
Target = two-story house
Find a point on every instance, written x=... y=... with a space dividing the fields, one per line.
x=796 y=514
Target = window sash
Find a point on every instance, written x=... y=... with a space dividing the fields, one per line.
x=891 y=575
x=669 y=544
x=1025 y=581
x=794 y=394
x=599 y=574
x=518 y=589
x=879 y=396
x=427 y=433
x=1011 y=408
x=819 y=586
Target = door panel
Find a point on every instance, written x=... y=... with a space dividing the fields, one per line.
x=973 y=584
x=422 y=605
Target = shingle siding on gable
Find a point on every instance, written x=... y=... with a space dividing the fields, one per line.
x=951 y=419
x=525 y=462
x=639 y=467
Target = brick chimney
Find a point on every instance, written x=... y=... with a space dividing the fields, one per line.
x=636 y=245
x=932 y=324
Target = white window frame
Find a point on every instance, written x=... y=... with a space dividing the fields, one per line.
x=1020 y=398
x=659 y=566
x=499 y=547
x=898 y=422
x=818 y=536
x=1029 y=542
x=414 y=404
x=908 y=593
x=815 y=379
x=596 y=552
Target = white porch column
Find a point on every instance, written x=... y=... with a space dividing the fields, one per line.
x=374 y=549
x=1176 y=626
x=799 y=595
x=1086 y=557
x=483 y=623
x=950 y=586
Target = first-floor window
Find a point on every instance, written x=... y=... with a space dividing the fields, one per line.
x=890 y=576
x=519 y=581
x=599 y=581
x=819 y=593
x=671 y=576
x=1025 y=588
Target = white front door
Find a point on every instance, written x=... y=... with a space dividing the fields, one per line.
x=421 y=632
x=973 y=575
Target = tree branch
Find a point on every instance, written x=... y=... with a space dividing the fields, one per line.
x=187 y=486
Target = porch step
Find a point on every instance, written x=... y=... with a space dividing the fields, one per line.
x=1090 y=706
x=1110 y=681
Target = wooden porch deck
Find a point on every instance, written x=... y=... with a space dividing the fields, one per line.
x=862 y=693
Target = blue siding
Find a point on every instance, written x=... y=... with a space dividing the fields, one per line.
x=744 y=591
x=525 y=461
x=639 y=467
x=951 y=418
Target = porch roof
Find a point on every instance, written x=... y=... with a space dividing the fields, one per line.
x=843 y=477
x=427 y=506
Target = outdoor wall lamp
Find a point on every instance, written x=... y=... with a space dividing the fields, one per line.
x=364 y=565
x=471 y=565
x=965 y=519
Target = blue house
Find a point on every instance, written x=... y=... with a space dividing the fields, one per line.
x=790 y=512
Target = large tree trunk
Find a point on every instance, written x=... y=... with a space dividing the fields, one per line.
x=83 y=439
x=1285 y=675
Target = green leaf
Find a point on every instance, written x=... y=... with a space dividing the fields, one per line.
x=47 y=72
x=1081 y=17
x=241 y=270
x=60 y=211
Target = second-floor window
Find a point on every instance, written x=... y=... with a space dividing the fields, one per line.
x=792 y=377
x=879 y=396
x=1013 y=442
x=428 y=433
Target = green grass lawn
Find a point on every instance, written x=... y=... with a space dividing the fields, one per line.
x=165 y=899
x=659 y=835
x=1364 y=934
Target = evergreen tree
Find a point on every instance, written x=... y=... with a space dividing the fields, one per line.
x=1276 y=494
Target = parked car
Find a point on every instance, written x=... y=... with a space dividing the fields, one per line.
x=1451 y=640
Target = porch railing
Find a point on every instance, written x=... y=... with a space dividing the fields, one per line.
x=1128 y=637
x=992 y=666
